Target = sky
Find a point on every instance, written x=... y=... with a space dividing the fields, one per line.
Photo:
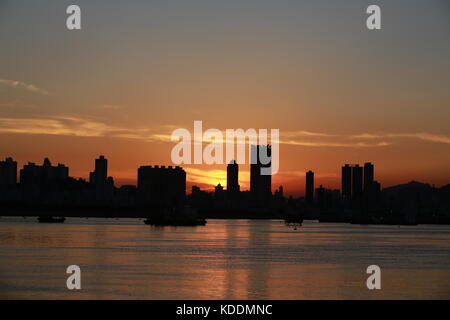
x=338 y=92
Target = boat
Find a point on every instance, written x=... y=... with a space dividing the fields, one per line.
x=50 y=219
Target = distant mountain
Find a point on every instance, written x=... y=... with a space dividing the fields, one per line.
x=410 y=186
x=416 y=193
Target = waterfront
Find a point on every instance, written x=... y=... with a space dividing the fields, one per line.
x=226 y=259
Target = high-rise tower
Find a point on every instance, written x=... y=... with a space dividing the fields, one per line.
x=233 y=177
x=309 y=193
x=357 y=182
x=368 y=176
x=261 y=184
x=100 y=173
x=346 y=182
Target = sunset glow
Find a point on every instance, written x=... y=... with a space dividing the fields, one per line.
x=338 y=94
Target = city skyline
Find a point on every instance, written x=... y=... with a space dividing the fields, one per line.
x=352 y=180
x=225 y=154
x=338 y=94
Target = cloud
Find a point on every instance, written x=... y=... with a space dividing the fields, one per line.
x=75 y=126
x=335 y=144
x=420 y=135
x=366 y=140
x=302 y=133
x=23 y=85
x=86 y=127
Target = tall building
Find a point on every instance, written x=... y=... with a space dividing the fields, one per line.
x=104 y=185
x=368 y=176
x=100 y=174
x=346 y=182
x=357 y=182
x=260 y=184
x=8 y=173
x=309 y=191
x=161 y=187
x=233 y=177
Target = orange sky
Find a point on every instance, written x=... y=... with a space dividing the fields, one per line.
x=338 y=92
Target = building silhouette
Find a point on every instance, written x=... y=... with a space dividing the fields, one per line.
x=260 y=185
x=43 y=184
x=161 y=187
x=8 y=179
x=32 y=174
x=320 y=195
x=358 y=185
x=280 y=192
x=8 y=173
x=368 y=176
x=219 y=194
x=233 y=178
x=346 y=182
x=100 y=173
x=354 y=179
x=357 y=182
x=104 y=185
x=309 y=193
x=48 y=189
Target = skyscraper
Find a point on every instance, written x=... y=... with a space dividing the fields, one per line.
x=346 y=182
x=100 y=174
x=368 y=176
x=260 y=184
x=233 y=177
x=357 y=182
x=309 y=193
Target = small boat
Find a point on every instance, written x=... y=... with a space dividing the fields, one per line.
x=49 y=219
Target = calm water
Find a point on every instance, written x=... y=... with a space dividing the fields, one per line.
x=237 y=259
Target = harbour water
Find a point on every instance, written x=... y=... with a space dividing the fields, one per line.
x=226 y=259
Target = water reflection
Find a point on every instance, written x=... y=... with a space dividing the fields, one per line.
x=238 y=259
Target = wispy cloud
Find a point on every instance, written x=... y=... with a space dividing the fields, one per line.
x=419 y=135
x=302 y=133
x=88 y=127
x=75 y=126
x=23 y=85
x=335 y=144
x=364 y=140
